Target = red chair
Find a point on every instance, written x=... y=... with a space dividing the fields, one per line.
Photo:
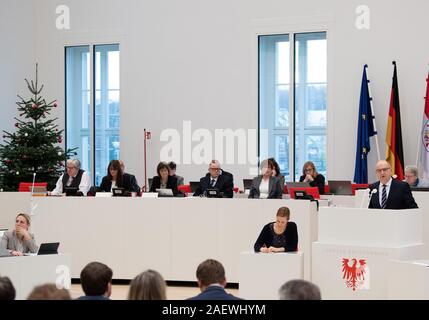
x=186 y=188
x=26 y=186
x=326 y=188
x=313 y=191
x=356 y=186
x=285 y=190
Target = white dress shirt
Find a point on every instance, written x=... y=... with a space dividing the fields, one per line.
x=264 y=189
x=85 y=184
x=380 y=190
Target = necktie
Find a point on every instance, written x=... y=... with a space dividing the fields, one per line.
x=383 y=197
x=70 y=181
x=212 y=183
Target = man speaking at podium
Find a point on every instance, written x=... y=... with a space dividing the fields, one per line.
x=389 y=193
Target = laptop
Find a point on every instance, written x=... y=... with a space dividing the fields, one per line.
x=48 y=248
x=165 y=192
x=71 y=191
x=194 y=186
x=247 y=184
x=297 y=185
x=120 y=192
x=340 y=187
x=4 y=252
x=213 y=193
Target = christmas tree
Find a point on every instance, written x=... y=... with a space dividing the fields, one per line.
x=34 y=147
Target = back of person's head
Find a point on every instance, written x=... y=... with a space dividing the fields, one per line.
x=299 y=290
x=49 y=291
x=96 y=278
x=211 y=272
x=7 y=290
x=172 y=165
x=148 y=285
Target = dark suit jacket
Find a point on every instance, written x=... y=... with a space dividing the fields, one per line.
x=318 y=182
x=266 y=237
x=106 y=184
x=224 y=183
x=93 y=298
x=134 y=185
x=399 y=197
x=171 y=184
x=275 y=190
x=214 y=293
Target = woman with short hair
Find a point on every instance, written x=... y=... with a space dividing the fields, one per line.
x=163 y=180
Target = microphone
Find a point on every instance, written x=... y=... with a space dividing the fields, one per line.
x=394 y=176
x=32 y=185
x=371 y=193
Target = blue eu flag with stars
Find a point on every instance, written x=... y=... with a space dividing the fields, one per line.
x=365 y=131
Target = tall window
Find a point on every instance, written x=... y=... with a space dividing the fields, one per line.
x=92 y=106
x=292 y=100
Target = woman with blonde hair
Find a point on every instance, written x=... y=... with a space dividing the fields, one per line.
x=311 y=176
x=19 y=240
x=148 y=285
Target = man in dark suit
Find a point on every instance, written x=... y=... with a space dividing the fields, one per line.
x=216 y=179
x=212 y=281
x=130 y=177
x=391 y=193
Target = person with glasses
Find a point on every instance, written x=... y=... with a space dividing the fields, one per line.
x=391 y=193
x=218 y=179
x=266 y=186
x=73 y=177
x=311 y=176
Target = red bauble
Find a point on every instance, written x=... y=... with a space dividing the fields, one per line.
x=17 y=125
x=34 y=106
x=55 y=105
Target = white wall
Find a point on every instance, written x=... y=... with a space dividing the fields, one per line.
x=16 y=57
x=196 y=60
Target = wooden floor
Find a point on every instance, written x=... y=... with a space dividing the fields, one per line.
x=120 y=292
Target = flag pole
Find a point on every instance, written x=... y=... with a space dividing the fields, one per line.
x=420 y=132
x=373 y=116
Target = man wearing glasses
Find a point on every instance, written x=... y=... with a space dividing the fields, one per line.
x=73 y=177
x=216 y=179
x=391 y=193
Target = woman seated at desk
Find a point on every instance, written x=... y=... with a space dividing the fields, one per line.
x=163 y=180
x=266 y=186
x=279 y=236
x=115 y=178
x=311 y=176
x=19 y=240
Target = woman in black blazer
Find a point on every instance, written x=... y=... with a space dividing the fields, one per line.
x=279 y=236
x=310 y=175
x=163 y=180
x=115 y=178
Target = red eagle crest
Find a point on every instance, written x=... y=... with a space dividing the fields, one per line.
x=354 y=275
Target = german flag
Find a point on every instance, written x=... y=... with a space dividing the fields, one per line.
x=394 y=150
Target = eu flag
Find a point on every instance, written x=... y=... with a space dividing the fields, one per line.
x=365 y=131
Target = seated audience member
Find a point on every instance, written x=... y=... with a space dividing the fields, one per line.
x=266 y=186
x=134 y=185
x=279 y=236
x=7 y=290
x=115 y=178
x=212 y=281
x=163 y=180
x=412 y=177
x=218 y=179
x=49 y=291
x=96 y=281
x=180 y=180
x=20 y=240
x=391 y=193
x=310 y=175
x=148 y=285
x=73 y=177
x=299 y=290
x=276 y=173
